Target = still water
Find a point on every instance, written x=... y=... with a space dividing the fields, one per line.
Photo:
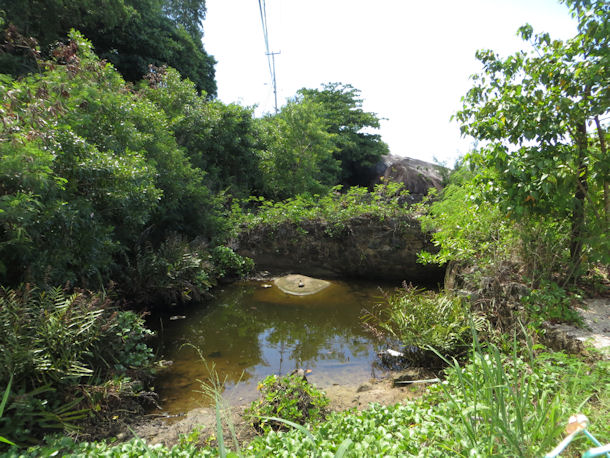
x=248 y=332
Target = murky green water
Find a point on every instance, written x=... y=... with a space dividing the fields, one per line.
x=248 y=332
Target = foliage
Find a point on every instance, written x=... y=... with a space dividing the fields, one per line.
x=177 y=271
x=51 y=343
x=223 y=140
x=533 y=111
x=420 y=320
x=356 y=149
x=466 y=227
x=68 y=447
x=551 y=303
x=499 y=396
x=88 y=168
x=472 y=398
x=334 y=208
x=290 y=398
x=131 y=34
x=229 y=264
x=299 y=154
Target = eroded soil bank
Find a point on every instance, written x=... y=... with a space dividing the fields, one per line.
x=157 y=429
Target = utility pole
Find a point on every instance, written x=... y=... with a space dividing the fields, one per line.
x=273 y=54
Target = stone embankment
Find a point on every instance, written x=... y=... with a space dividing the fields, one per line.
x=364 y=248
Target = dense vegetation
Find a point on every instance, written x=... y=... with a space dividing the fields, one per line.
x=120 y=175
x=130 y=34
x=117 y=175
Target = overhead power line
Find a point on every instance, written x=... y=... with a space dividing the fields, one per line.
x=262 y=6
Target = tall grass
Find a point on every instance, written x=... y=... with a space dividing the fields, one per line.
x=504 y=405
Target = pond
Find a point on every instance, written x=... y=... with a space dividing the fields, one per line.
x=251 y=330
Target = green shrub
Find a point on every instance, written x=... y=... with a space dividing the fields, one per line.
x=421 y=319
x=551 y=303
x=53 y=342
x=227 y=263
x=177 y=271
x=290 y=398
x=334 y=208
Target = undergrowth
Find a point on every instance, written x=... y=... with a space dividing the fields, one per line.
x=496 y=404
x=335 y=208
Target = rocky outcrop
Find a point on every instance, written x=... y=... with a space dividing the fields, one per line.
x=417 y=176
x=364 y=247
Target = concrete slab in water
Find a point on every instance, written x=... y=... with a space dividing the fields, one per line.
x=300 y=285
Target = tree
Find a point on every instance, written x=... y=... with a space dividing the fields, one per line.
x=535 y=113
x=188 y=14
x=299 y=153
x=131 y=34
x=356 y=148
x=88 y=172
x=222 y=140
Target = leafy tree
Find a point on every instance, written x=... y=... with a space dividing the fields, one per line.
x=131 y=34
x=356 y=148
x=222 y=140
x=534 y=112
x=299 y=154
x=188 y=14
x=88 y=169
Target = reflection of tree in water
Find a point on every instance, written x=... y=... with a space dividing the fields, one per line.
x=226 y=336
x=310 y=336
x=246 y=329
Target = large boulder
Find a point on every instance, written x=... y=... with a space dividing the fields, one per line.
x=417 y=176
x=366 y=247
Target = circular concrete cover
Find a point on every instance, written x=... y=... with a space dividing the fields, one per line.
x=300 y=285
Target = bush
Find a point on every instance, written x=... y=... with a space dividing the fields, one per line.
x=334 y=208
x=52 y=342
x=551 y=303
x=420 y=320
x=227 y=263
x=290 y=398
x=175 y=272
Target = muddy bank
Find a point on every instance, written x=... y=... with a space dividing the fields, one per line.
x=156 y=429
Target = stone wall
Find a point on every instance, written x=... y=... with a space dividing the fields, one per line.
x=363 y=248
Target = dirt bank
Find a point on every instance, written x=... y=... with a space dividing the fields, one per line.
x=156 y=429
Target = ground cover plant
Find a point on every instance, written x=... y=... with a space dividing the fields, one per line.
x=335 y=208
x=291 y=398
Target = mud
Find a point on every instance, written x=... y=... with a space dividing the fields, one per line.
x=156 y=429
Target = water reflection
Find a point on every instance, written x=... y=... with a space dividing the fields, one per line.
x=249 y=332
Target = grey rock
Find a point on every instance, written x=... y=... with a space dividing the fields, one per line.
x=417 y=176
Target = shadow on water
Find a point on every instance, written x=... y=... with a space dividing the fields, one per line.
x=248 y=332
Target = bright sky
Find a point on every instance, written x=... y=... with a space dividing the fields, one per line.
x=411 y=59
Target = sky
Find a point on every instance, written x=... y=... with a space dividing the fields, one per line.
x=410 y=59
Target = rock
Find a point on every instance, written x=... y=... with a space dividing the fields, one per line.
x=417 y=176
x=363 y=388
x=300 y=285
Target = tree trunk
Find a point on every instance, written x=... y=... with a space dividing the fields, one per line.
x=580 y=195
x=602 y=146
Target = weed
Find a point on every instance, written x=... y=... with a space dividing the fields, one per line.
x=291 y=398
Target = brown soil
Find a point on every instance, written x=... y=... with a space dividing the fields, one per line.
x=157 y=429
